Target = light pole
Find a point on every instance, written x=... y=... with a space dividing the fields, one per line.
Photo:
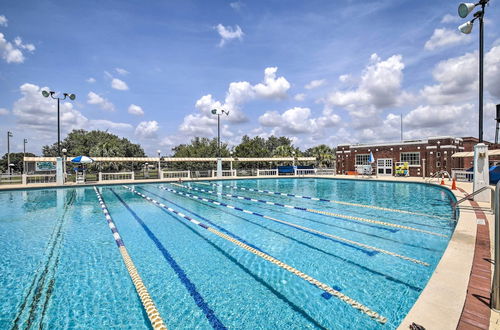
x=219 y=112
x=65 y=153
x=293 y=155
x=24 y=154
x=71 y=97
x=159 y=163
x=9 y=135
x=465 y=9
x=231 y=162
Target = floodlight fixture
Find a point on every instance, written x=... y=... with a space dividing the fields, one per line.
x=465 y=9
x=466 y=28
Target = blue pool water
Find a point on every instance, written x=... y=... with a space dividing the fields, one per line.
x=61 y=268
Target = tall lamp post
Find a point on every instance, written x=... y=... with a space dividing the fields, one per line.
x=465 y=9
x=24 y=154
x=218 y=113
x=9 y=135
x=66 y=95
x=159 y=163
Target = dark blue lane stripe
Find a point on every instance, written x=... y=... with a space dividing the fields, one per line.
x=224 y=230
x=198 y=298
x=366 y=251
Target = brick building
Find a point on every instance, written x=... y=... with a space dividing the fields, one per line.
x=424 y=156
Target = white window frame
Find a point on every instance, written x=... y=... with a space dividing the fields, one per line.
x=363 y=162
x=411 y=162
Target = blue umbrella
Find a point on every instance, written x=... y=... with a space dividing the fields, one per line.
x=371 y=160
x=82 y=160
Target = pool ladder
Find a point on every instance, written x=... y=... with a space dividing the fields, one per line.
x=490 y=210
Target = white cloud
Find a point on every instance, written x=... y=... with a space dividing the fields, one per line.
x=299 y=97
x=13 y=52
x=147 y=129
x=119 y=84
x=315 y=84
x=135 y=110
x=492 y=71
x=104 y=104
x=3 y=20
x=442 y=38
x=298 y=121
x=121 y=71
x=227 y=33
x=3 y=112
x=345 y=78
x=37 y=115
x=379 y=88
x=272 y=88
x=91 y=80
x=236 y=5
x=448 y=18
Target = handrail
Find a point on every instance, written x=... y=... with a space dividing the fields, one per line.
x=474 y=193
x=495 y=287
x=442 y=172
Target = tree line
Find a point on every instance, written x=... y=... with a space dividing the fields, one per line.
x=98 y=143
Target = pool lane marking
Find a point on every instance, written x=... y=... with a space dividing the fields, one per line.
x=351 y=302
x=181 y=274
x=325 y=200
x=336 y=215
x=146 y=300
x=388 y=277
x=314 y=231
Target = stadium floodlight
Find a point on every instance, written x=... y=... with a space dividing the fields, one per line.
x=71 y=97
x=465 y=9
x=466 y=28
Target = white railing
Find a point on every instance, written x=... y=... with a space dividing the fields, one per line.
x=305 y=171
x=224 y=173
x=39 y=178
x=201 y=174
x=116 y=176
x=267 y=172
x=325 y=171
x=246 y=172
x=10 y=178
x=175 y=174
x=462 y=175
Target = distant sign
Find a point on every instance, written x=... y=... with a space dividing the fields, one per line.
x=45 y=166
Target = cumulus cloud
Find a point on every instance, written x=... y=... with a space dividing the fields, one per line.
x=315 y=84
x=104 y=104
x=3 y=20
x=91 y=80
x=121 y=71
x=147 y=129
x=442 y=38
x=3 y=112
x=119 y=84
x=227 y=33
x=13 y=52
x=38 y=115
x=135 y=110
x=236 y=5
x=298 y=121
x=299 y=97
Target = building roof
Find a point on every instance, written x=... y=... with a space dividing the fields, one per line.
x=463 y=154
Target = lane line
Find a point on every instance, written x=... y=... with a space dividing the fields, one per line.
x=336 y=215
x=146 y=300
x=351 y=302
x=325 y=200
x=181 y=274
x=314 y=231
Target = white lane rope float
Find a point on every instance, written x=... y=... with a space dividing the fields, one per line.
x=314 y=231
x=146 y=300
x=277 y=193
x=325 y=287
x=336 y=215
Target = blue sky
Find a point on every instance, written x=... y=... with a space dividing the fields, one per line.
x=318 y=71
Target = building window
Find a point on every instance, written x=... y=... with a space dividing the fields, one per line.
x=363 y=159
x=412 y=158
x=438 y=154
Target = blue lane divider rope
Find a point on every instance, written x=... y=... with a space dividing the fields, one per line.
x=351 y=302
x=335 y=237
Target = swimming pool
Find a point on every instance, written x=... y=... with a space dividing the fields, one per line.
x=222 y=254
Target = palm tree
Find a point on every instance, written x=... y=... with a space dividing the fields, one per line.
x=323 y=153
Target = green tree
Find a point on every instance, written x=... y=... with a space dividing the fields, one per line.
x=325 y=156
x=199 y=147
x=16 y=158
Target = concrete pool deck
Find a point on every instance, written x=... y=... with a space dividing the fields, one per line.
x=457 y=294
